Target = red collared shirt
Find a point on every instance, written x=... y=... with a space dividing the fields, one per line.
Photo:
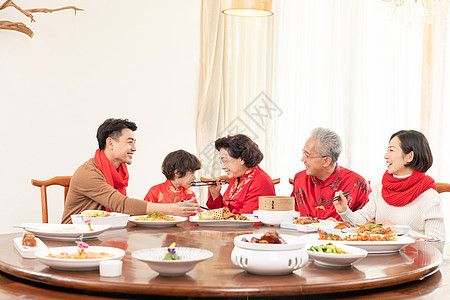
x=166 y=192
x=310 y=192
x=242 y=195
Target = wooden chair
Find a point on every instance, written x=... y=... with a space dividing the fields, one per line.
x=58 y=180
x=442 y=187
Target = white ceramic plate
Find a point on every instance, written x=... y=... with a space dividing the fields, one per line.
x=308 y=227
x=370 y=247
x=157 y=223
x=189 y=258
x=336 y=260
x=64 y=231
x=116 y=220
x=77 y=264
x=234 y=223
x=28 y=252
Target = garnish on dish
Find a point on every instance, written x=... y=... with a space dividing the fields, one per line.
x=156 y=216
x=81 y=253
x=95 y=213
x=328 y=248
x=270 y=237
x=171 y=253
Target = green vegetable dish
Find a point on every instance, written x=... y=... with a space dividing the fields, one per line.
x=328 y=248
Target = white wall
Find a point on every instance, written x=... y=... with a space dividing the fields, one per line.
x=137 y=59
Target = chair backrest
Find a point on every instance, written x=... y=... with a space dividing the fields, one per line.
x=43 y=184
x=442 y=187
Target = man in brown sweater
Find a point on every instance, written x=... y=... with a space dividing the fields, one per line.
x=100 y=183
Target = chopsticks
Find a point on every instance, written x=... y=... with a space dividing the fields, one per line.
x=206 y=182
x=321 y=205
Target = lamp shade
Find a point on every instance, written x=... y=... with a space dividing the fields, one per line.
x=248 y=8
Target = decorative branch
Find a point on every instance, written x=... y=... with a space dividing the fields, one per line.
x=20 y=27
x=17 y=26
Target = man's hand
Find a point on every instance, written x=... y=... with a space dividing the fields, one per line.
x=186 y=208
x=341 y=204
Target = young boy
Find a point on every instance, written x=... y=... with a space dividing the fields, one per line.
x=179 y=168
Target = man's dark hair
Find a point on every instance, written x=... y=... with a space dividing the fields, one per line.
x=181 y=161
x=241 y=146
x=112 y=128
x=412 y=140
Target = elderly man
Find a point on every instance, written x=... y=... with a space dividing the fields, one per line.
x=100 y=183
x=323 y=177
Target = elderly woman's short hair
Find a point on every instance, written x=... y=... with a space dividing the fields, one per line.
x=241 y=146
x=329 y=143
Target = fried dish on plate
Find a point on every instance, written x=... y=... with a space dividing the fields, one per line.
x=306 y=220
x=220 y=214
x=270 y=237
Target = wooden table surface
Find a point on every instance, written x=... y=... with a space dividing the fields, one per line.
x=404 y=274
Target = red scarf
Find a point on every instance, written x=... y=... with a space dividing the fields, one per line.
x=401 y=191
x=117 y=178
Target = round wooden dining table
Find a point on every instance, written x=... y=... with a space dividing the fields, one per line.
x=217 y=276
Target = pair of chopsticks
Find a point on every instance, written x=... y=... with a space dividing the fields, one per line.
x=206 y=182
x=334 y=199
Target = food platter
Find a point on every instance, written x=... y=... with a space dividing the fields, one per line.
x=64 y=231
x=336 y=260
x=116 y=220
x=77 y=264
x=370 y=246
x=157 y=224
x=234 y=223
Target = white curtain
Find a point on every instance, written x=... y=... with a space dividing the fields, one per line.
x=346 y=65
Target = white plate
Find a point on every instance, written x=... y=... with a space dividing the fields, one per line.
x=336 y=260
x=77 y=264
x=157 y=223
x=189 y=258
x=370 y=247
x=28 y=252
x=234 y=223
x=116 y=220
x=64 y=231
x=308 y=227
x=292 y=243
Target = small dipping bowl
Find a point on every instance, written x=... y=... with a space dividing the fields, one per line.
x=110 y=268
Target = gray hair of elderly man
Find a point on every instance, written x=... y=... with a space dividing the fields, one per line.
x=328 y=143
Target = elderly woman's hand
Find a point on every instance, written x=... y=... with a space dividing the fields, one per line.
x=215 y=189
x=341 y=204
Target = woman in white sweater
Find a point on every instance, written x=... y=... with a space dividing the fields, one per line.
x=405 y=196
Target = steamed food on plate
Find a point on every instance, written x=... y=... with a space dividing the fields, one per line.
x=156 y=216
x=328 y=248
x=220 y=214
x=95 y=213
x=270 y=237
x=306 y=220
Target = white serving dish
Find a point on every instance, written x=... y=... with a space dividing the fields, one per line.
x=336 y=260
x=269 y=259
x=370 y=247
x=116 y=220
x=64 y=231
x=77 y=264
x=271 y=217
x=28 y=252
x=157 y=224
x=233 y=223
x=190 y=257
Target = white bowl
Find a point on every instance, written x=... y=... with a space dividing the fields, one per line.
x=336 y=260
x=116 y=220
x=270 y=217
x=189 y=259
x=269 y=259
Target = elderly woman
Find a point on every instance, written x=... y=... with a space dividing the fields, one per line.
x=239 y=158
x=405 y=196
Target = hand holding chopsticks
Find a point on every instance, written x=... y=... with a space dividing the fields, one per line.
x=321 y=206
